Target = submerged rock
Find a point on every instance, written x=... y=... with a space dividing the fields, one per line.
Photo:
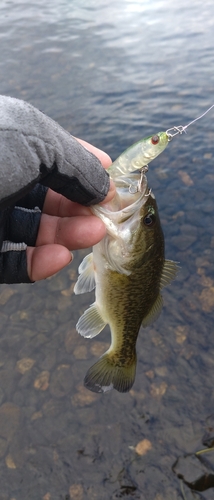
x=24 y=364
x=195 y=471
x=9 y=420
x=143 y=447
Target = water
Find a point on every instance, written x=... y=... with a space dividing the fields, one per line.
x=113 y=72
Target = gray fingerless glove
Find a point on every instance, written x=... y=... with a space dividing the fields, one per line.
x=35 y=149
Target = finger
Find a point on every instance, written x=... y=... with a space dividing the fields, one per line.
x=56 y=204
x=71 y=232
x=103 y=157
x=47 y=260
x=111 y=192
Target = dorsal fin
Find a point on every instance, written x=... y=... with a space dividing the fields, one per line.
x=169 y=272
x=154 y=312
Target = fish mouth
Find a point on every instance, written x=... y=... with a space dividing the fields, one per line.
x=131 y=194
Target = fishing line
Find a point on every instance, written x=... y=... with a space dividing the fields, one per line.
x=180 y=129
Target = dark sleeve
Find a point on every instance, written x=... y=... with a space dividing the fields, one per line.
x=19 y=227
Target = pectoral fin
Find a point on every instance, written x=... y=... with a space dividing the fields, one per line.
x=154 y=312
x=91 y=322
x=169 y=272
x=86 y=279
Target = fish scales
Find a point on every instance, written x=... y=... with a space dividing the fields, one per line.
x=127 y=269
x=124 y=295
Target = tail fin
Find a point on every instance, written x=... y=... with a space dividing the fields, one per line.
x=105 y=375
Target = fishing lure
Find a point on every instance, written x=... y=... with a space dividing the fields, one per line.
x=143 y=152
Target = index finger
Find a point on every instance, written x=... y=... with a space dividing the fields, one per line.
x=57 y=205
x=103 y=157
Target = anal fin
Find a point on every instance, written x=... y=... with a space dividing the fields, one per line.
x=91 y=322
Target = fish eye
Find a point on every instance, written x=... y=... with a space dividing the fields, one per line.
x=149 y=219
x=155 y=139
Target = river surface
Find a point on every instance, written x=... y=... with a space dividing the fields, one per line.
x=112 y=72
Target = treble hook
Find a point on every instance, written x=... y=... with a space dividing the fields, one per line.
x=133 y=189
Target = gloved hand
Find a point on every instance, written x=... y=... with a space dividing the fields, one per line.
x=36 y=153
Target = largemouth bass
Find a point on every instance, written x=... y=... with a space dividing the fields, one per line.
x=128 y=270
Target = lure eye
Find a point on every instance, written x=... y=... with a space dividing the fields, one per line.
x=149 y=220
x=155 y=139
